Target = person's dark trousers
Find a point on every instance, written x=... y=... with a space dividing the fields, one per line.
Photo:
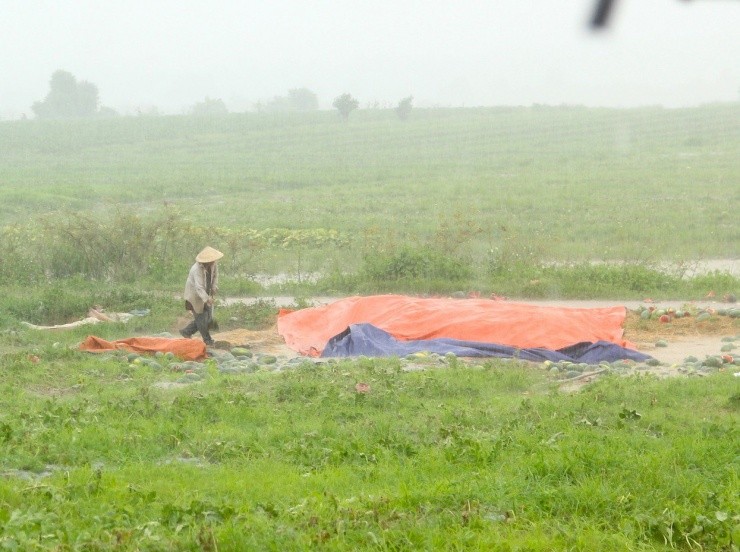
x=200 y=324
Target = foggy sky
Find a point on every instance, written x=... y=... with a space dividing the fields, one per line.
x=171 y=54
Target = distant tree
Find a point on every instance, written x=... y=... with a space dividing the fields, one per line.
x=302 y=99
x=67 y=98
x=210 y=107
x=403 y=109
x=345 y=104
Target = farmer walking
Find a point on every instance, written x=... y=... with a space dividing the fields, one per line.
x=200 y=289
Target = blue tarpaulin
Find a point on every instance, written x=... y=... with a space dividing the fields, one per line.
x=371 y=341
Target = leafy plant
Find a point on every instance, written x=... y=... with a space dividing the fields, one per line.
x=411 y=263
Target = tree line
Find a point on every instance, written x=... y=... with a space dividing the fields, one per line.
x=72 y=98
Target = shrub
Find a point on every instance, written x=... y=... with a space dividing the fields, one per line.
x=258 y=315
x=588 y=280
x=337 y=282
x=610 y=278
x=718 y=282
x=411 y=263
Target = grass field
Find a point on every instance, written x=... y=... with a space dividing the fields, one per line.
x=99 y=453
x=564 y=182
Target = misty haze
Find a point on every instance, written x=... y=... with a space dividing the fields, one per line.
x=170 y=55
x=369 y=275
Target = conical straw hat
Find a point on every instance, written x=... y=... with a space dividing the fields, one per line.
x=209 y=255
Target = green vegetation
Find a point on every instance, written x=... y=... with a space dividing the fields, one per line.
x=69 y=97
x=503 y=194
x=98 y=454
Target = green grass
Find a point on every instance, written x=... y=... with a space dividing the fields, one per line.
x=96 y=457
x=579 y=183
x=493 y=196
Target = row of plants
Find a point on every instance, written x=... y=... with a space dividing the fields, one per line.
x=155 y=252
x=579 y=183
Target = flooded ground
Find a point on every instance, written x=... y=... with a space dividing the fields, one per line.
x=690 y=269
x=728 y=265
x=687 y=269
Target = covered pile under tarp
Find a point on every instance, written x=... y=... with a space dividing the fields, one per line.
x=186 y=349
x=368 y=340
x=482 y=321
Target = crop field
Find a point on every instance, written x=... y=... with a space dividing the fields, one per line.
x=301 y=194
x=103 y=452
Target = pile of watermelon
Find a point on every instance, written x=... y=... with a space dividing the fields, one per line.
x=669 y=314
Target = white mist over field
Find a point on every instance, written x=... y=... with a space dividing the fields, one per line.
x=170 y=54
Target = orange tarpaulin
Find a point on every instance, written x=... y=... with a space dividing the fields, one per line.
x=507 y=323
x=187 y=349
